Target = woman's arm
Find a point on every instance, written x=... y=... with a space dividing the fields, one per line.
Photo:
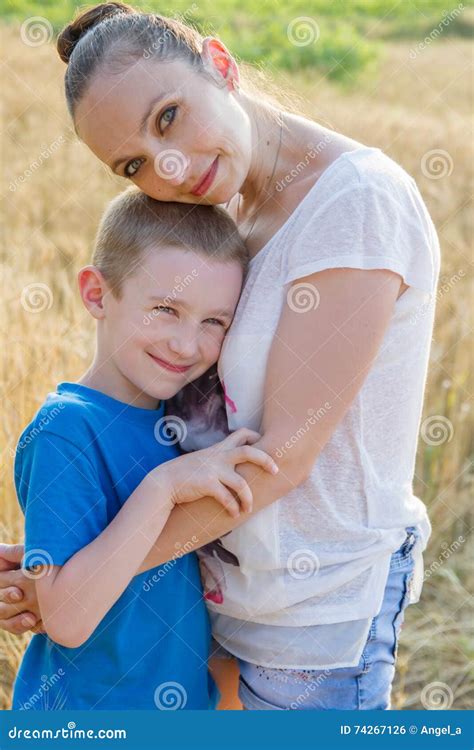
x=318 y=361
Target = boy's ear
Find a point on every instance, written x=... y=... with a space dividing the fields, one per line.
x=93 y=288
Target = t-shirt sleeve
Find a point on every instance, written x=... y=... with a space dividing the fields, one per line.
x=367 y=226
x=59 y=492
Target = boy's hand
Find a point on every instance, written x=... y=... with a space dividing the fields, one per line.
x=212 y=472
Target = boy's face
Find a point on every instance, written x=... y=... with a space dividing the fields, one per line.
x=169 y=324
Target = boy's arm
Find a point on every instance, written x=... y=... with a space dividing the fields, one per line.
x=74 y=597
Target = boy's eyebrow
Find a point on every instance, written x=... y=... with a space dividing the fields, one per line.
x=170 y=299
x=143 y=122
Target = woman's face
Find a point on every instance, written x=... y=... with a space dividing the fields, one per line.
x=172 y=131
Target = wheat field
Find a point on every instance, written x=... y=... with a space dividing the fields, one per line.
x=417 y=109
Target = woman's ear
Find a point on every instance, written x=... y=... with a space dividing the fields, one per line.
x=220 y=63
x=93 y=288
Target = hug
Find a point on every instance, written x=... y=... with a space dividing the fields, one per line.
x=227 y=492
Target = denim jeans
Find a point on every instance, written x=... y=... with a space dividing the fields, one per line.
x=363 y=687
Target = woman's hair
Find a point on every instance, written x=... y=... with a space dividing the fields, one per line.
x=134 y=223
x=117 y=35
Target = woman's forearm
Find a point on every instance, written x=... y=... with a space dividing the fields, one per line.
x=75 y=597
x=192 y=526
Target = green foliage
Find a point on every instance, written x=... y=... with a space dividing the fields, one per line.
x=338 y=38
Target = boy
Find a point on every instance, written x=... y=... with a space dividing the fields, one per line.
x=98 y=471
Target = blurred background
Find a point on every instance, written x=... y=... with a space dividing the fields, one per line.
x=396 y=74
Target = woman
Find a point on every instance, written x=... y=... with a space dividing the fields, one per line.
x=327 y=357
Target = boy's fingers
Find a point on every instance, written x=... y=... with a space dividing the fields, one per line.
x=226 y=499
x=237 y=483
x=255 y=456
x=11 y=595
x=243 y=436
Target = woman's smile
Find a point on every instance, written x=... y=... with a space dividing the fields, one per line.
x=206 y=180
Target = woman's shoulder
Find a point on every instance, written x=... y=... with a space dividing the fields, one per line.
x=368 y=166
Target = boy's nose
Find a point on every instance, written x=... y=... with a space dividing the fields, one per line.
x=171 y=165
x=183 y=346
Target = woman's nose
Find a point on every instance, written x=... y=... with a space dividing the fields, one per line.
x=171 y=165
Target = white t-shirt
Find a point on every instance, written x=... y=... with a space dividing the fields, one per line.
x=312 y=567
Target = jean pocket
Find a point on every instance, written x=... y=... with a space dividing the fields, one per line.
x=400 y=615
x=404 y=555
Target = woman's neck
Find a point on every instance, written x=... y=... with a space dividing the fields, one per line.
x=266 y=170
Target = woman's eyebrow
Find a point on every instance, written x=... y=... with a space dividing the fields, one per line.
x=141 y=128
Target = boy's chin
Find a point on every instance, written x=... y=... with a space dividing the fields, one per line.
x=164 y=391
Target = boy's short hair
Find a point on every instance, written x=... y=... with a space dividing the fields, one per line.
x=134 y=223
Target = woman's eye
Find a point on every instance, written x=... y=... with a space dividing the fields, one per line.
x=132 y=167
x=167 y=117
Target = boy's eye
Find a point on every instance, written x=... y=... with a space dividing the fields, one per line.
x=163 y=308
x=132 y=167
x=167 y=117
x=215 y=321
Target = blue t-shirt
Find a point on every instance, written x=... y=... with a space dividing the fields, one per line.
x=77 y=462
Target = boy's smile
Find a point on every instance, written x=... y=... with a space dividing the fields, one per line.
x=168 y=365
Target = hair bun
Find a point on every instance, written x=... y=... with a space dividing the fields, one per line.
x=70 y=35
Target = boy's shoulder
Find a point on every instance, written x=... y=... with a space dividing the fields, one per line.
x=63 y=413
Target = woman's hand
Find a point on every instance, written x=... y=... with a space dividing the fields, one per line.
x=19 y=611
x=211 y=472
